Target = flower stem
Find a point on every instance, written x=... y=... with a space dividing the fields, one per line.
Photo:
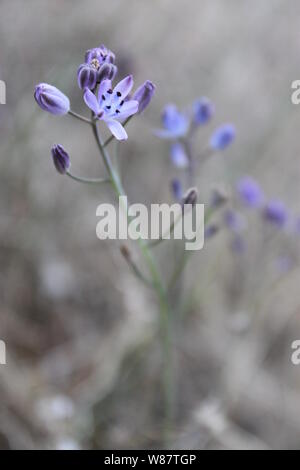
x=81 y=179
x=168 y=386
x=78 y=116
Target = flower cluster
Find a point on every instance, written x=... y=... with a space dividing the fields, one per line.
x=180 y=127
x=111 y=104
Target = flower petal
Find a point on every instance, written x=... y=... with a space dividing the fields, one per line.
x=128 y=109
x=178 y=155
x=124 y=86
x=116 y=129
x=104 y=86
x=91 y=101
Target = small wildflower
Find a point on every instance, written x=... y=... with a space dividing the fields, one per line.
x=61 y=159
x=111 y=105
x=276 y=213
x=51 y=99
x=203 y=111
x=250 y=192
x=144 y=95
x=177 y=189
x=176 y=124
x=222 y=137
x=178 y=154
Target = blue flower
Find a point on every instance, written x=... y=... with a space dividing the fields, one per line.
x=178 y=155
x=175 y=123
x=250 y=192
x=223 y=137
x=177 y=189
x=203 y=111
x=111 y=105
x=276 y=213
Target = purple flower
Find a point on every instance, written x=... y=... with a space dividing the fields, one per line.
x=223 y=137
x=250 y=192
x=61 y=159
x=233 y=220
x=144 y=95
x=50 y=99
x=175 y=123
x=111 y=105
x=276 y=213
x=178 y=155
x=99 y=55
x=177 y=189
x=203 y=111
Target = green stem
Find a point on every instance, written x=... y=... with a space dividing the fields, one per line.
x=78 y=116
x=168 y=385
x=81 y=179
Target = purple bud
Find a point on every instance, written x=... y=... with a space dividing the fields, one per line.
x=203 y=111
x=275 y=212
x=190 y=197
x=87 y=77
x=61 y=159
x=223 y=137
x=176 y=188
x=144 y=95
x=250 y=192
x=107 y=71
x=50 y=99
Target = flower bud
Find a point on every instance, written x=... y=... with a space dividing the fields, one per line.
x=190 y=197
x=223 y=137
x=203 y=111
x=100 y=54
x=87 y=77
x=276 y=213
x=107 y=71
x=50 y=99
x=61 y=159
x=144 y=95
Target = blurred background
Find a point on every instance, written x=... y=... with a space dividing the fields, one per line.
x=83 y=356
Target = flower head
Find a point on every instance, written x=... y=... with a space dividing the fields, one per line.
x=51 y=99
x=111 y=105
x=99 y=55
x=176 y=124
x=144 y=95
x=222 y=137
x=61 y=159
x=250 y=192
x=178 y=154
x=276 y=213
x=203 y=111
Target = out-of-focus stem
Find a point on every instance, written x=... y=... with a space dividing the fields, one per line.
x=78 y=116
x=81 y=179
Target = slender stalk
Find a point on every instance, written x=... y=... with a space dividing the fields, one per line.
x=78 y=116
x=168 y=385
x=81 y=179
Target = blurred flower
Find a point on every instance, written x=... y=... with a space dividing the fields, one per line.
x=178 y=155
x=233 y=220
x=111 y=106
x=223 y=137
x=203 y=111
x=51 y=99
x=175 y=123
x=250 y=192
x=56 y=408
x=276 y=213
x=210 y=231
x=177 y=189
x=61 y=159
x=144 y=95
x=99 y=55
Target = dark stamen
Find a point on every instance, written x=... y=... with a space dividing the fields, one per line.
x=108 y=107
x=117 y=111
x=122 y=102
x=119 y=93
x=103 y=97
x=109 y=91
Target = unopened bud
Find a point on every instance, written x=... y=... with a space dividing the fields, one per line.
x=144 y=95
